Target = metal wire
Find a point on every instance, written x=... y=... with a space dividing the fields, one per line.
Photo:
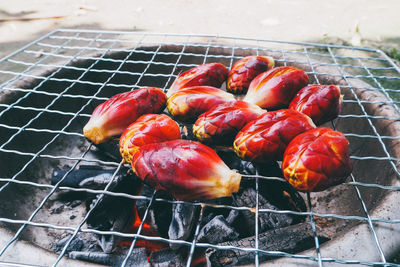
x=109 y=184
x=256 y=215
x=70 y=46
x=197 y=229
x=313 y=225
x=372 y=228
x=53 y=190
x=129 y=253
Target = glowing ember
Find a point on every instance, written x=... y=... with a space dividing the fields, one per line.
x=146 y=231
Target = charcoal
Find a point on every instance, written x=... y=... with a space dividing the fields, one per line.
x=279 y=193
x=74 y=203
x=210 y=212
x=109 y=242
x=141 y=204
x=121 y=224
x=207 y=217
x=76 y=244
x=159 y=213
x=268 y=220
x=271 y=168
x=85 y=175
x=57 y=210
x=109 y=207
x=291 y=239
x=220 y=201
x=184 y=218
x=268 y=169
x=234 y=162
x=216 y=231
x=272 y=194
x=232 y=217
x=81 y=242
x=110 y=149
x=114 y=213
x=97 y=182
x=167 y=257
x=137 y=258
x=106 y=207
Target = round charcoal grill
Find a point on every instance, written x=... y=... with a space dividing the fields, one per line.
x=51 y=86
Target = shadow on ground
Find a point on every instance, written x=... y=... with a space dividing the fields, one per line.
x=7 y=48
x=4 y=13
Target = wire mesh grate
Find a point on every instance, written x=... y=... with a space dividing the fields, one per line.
x=50 y=87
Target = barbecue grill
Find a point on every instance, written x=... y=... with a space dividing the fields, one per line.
x=50 y=87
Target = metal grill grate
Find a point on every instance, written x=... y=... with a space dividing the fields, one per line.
x=68 y=46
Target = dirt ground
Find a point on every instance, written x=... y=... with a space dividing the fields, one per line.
x=22 y=21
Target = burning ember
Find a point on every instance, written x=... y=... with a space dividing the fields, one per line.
x=146 y=231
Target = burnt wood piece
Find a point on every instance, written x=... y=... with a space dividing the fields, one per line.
x=272 y=194
x=74 y=203
x=232 y=216
x=279 y=193
x=230 y=158
x=210 y=212
x=141 y=204
x=184 y=218
x=114 y=213
x=109 y=149
x=291 y=239
x=234 y=162
x=167 y=257
x=159 y=213
x=89 y=176
x=121 y=224
x=110 y=207
x=81 y=242
x=137 y=258
x=216 y=231
x=266 y=220
x=76 y=244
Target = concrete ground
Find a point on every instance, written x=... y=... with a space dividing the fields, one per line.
x=22 y=21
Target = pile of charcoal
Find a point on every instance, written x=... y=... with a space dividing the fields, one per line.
x=228 y=221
